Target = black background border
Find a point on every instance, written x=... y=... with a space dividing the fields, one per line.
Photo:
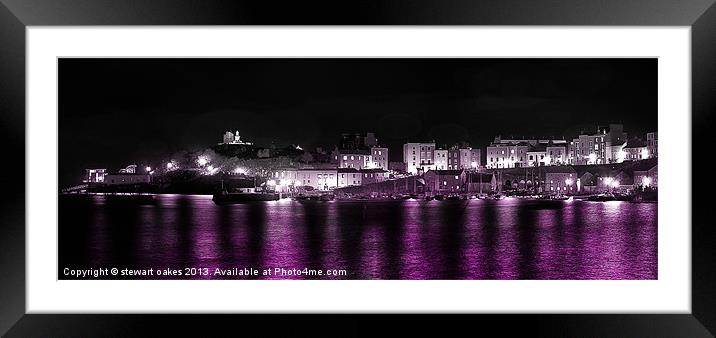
x=15 y=15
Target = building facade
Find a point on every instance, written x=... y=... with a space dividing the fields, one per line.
x=560 y=179
x=369 y=176
x=441 y=159
x=635 y=150
x=419 y=157
x=652 y=144
x=357 y=159
x=507 y=155
x=453 y=162
x=95 y=175
x=647 y=177
x=379 y=157
x=348 y=177
x=557 y=154
x=445 y=181
x=600 y=148
x=319 y=179
x=481 y=182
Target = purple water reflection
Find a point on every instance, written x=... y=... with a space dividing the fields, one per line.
x=477 y=239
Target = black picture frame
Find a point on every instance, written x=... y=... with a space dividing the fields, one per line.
x=15 y=15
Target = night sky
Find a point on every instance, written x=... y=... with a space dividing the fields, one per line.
x=115 y=112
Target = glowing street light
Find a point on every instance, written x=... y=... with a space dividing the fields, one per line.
x=148 y=169
x=170 y=165
x=646 y=181
x=593 y=158
x=202 y=161
x=621 y=156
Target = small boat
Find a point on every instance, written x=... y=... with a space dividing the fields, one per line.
x=453 y=197
x=244 y=197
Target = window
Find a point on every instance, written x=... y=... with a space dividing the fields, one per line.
x=444 y=182
x=345 y=157
x=456 y=177
x=512 y=151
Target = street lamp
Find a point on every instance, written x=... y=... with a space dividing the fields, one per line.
x=202 y=161
x=170 y=165
x=148 y=169
x=593 y=158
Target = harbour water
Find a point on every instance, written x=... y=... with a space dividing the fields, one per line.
x=402 y=239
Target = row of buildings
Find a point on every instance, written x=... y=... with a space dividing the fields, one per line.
x=604 y=146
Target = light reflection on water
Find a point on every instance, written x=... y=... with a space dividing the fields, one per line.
x=476 y=239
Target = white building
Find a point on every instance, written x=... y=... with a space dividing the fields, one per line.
x=348 y=177
x=319 y=179
x=507 y=155
x=419 y=157
x=537 y=157
x=441 y=159
x=357 y=159
x=603 y=147
x=95 y=175
x=557 y=154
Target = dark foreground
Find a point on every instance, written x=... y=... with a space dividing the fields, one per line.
x=192 y=238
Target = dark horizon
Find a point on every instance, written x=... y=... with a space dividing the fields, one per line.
x=113 y=112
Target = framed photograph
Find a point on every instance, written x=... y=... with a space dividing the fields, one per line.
x=432 y=159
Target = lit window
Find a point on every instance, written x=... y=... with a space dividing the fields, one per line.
x=444 y=182
x=345 y=157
